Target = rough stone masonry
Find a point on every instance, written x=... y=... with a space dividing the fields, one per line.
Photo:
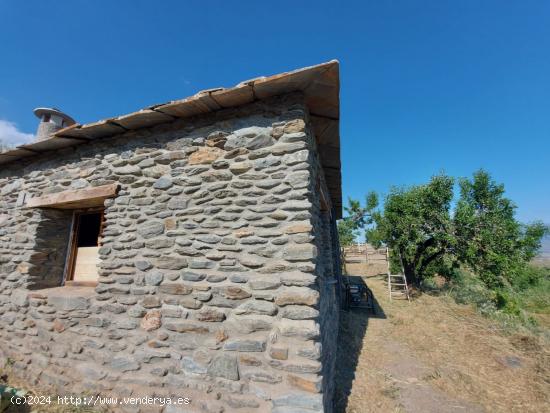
x=218 y=274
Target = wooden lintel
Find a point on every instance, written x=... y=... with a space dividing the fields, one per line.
x=78 y=198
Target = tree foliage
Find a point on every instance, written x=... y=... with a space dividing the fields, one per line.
x=425 y=236
x=489 y=238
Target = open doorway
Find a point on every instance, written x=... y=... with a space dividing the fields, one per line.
x=83 y=259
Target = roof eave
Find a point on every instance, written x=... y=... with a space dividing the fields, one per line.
x=320 y=85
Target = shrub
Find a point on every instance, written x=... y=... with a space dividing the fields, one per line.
x=507 y=303
x=529 y=276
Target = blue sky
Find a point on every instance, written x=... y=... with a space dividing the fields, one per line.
x=426 y=85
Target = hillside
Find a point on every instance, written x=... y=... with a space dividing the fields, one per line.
x=434 y=355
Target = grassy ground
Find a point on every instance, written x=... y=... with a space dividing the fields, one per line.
x=514 y=309
x=434 y=355
x=536 y=301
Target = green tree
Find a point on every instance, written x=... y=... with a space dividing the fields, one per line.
x=416 y=225
x=361 y=217
x=425 y=238
x=489 y=238
x=357 y=218
x=346 y=232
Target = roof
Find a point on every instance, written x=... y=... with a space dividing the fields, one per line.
x=320 y=85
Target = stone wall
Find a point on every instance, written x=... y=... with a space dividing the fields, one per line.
x=217 y=275
x=328 y=274
x=48 y=254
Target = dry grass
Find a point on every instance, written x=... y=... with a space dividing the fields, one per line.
x=7 y=378
x=435 y=355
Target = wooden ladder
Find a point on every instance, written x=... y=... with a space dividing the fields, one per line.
x=397 y=283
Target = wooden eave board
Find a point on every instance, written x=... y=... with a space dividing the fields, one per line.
x=7 y=158
x=142 y=119
x=18 y=152
x=290 y=81
x=322 y=95
x=51 y=144
x=192 y=106
x=77 y=198
x=327 y=131
x=14 y=154
x=280 y=85
x=236 y=96
x=94 y=130
x=66 y=132
x=321 y=105
x=330 y=156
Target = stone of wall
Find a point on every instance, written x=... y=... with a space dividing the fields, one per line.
x=217 y=279
x=328 y=273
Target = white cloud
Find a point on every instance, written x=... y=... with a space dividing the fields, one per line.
x=11 y=136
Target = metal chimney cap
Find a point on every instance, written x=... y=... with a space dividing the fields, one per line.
x=39 y=112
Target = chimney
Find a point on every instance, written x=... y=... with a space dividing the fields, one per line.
x=51 y=120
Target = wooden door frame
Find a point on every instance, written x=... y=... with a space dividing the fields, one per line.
x=70 y=259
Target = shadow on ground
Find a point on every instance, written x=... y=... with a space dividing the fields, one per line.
x=353 y=327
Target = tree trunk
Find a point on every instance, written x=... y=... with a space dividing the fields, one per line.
x=410 y=272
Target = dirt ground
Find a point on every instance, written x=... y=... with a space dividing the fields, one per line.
x=433 y=355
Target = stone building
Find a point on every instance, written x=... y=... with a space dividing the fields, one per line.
x=185 y=250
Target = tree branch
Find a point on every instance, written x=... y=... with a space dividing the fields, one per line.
x=431 y=258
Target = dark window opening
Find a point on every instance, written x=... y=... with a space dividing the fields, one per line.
x=89 y=227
